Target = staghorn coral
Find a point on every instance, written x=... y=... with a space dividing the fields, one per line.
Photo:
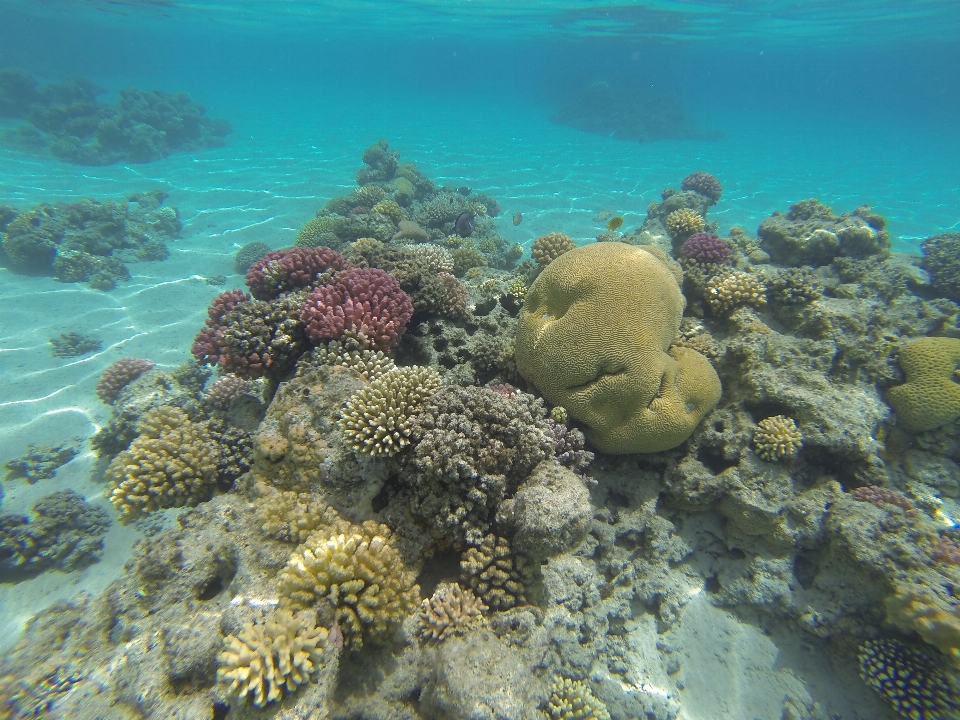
x=258 y=337
x=706 y=247
x=930 y=398
x=224 y=390
x=911 y=680
x=376 y=421
x=776 y=438
x=683 y=222
x=473 y=447
x=368 y=304
x=172 y=463
x=299 y=267
x=266 y=660
x=291 y=516
x=359 y=575
x=705 y=184
x=369 y=364
x=611 y=369
x=120 y=374
x=730 y=290
x=549 y=247
x=493 y=572
x=448 y=612
x=574 y=700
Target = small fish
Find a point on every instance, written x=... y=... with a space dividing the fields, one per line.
x=614 y=222
x=464 y=224
x=602 y=216
x=517 y=218
x=464 y=190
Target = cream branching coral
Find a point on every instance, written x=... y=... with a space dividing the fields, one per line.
x=449 y=611
x=172 y=463
x=267 y=659
x=549 y=247
x=371 y=364
x=683 y=222
x=432 y=258
x=359 y=573
x=730 y=290
x=776 y=438
x=574 y=700
x=291 y=517
x=375 y=421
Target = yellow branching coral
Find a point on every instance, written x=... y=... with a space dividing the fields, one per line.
x=549 y=247
x=449 y=611
x=683 y=222
x=776 y=438
x=375 y=421
x=730 y=290
x=574 y=700
x=359 y=573
x=390 y=208
x=266 y=659
x=171 y=464
x=290 y=516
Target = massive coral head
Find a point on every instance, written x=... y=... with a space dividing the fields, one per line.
x=707 y=248
x=207 y=347
x=366 y=303
x=298 y=267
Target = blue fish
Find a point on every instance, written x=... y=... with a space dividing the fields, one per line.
x=464 y=224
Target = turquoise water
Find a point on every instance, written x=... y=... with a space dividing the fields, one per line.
x=852 y=103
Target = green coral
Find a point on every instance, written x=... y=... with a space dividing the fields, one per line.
x=321 y=231
x=376 y=421
x=593 y=336
x=931 y=396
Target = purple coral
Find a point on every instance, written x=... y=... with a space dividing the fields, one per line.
x=707 y=248
x=705 y=184
x=366 y=303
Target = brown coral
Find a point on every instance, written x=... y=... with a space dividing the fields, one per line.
x=224 y=390
x=493 y=572
x=449 y=611
x=549 y=247
x=120 y=374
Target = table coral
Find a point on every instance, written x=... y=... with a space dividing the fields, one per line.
x=296 y=268
x=376 y=421
x=172 y=463
x=362 y=303
x=120 y=374
x=448 y=612
x=730 y=290
x=593 y=336
x=705 y=184
x=776 y=438
x=574 y=700
x=269 y=659
x=549 y=247
x=359 y=574
x=931 y=396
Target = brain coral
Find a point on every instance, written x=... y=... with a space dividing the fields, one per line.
x=362 y=302
x=593 y=336
x=359 y=574
x=267 y=658
x=172 y=463
x=931 y=396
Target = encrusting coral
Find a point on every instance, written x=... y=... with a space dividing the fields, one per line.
x=931 y=396
x=612 y=370
x=172 y=463
x=574 y=700
x=266 y=660
x=449 y=611
x=120 y=374
x=359 y=574
x=376 y=421
x=549 y=247
x=776 y=438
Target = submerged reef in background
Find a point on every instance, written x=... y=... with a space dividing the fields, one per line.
x=66 y=119
x=363 y=442
x=88 y=240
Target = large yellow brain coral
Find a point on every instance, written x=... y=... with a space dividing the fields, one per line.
x=593 y=336
x=931 y=396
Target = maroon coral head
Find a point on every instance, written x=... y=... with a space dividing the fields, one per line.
x=705 y=184
x=283 y=270
x=707 y=248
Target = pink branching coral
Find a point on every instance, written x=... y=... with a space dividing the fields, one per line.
x=882 y=497
x=120 y=374
x=947 y=551
x=457 y=296
x=365 y=303
x=707 y=248
x=206 y=346
x=705 y=184
x=283 y=270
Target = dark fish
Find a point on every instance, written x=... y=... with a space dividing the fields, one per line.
x=614 y=223
x=518 y=218
x=464 y=224
x=464 y=190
